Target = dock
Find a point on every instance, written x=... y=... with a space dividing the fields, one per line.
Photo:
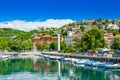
x=90 y=57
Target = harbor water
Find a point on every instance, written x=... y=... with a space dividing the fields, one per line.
x=43 y=69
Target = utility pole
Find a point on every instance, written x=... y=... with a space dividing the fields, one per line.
x=59 y=40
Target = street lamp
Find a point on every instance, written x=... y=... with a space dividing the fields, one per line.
x=58 y=32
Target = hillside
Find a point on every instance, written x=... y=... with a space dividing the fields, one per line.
x=9 y=33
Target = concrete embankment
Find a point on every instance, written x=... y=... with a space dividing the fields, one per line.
x=97 y=58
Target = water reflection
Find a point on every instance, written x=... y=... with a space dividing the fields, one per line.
x=59 y=73
x=42 y=69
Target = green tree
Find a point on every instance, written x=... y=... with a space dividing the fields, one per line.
x=94 y=39
x=45 y=47
x=82 y=27
x=116 y=44
x=54 y=45
x=69 y=48
x=3 y=44
x=77 y=44
x=62 y=45
x=27 y=44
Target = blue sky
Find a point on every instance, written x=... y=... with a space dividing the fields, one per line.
x=31 y=10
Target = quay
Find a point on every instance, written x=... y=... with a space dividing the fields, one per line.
x=67 y=55
x=90 y=57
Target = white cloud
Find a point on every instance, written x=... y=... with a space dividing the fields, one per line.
x=26 y=26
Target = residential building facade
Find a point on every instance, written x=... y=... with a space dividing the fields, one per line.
x=47 y=39
x=109 y=38
x=71 y=36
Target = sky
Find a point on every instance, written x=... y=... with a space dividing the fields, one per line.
x=43 y=10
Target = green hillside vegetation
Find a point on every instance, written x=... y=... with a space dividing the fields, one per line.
x=9 y=33
x=15 y=40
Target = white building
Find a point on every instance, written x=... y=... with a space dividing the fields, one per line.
x=113 y=26
x=71 y=36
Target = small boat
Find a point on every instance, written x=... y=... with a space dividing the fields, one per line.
x=67 y=59
x=62 y=58
x=95 y=63
x=53 y=57
x=112 y=66
x=81 y=61
x=4 y=57
x=89 y=63
x=46 y=56
x=79 y=65
x=73 y=60
x=102 y=64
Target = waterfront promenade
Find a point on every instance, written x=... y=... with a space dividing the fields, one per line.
x=69 y=55
x=91 y=57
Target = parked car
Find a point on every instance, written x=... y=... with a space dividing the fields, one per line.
x=116 y=53
x=93 y=53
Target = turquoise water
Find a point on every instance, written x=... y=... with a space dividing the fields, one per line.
x=41 y=69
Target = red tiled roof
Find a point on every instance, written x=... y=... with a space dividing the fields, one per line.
x=55 y=37
x=36 y=38
x=74 y=35
x=47 y=36
x=117 y=36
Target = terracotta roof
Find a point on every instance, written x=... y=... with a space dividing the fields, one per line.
x=36 y=38
x=117 y=36
x=74 y=35
x=55 y=37
x=47 y=36
x=106 y=34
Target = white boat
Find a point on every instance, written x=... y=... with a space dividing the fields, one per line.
x=46 y=56
x=67 y=59
x=81 y=61
x=100 y=65
x=112 y=66
x=4 y=57
x=95 y=63
x=89 y=63
x=73 y=60
x=53 y=57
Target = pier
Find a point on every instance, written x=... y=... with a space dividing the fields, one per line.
x=90 y=57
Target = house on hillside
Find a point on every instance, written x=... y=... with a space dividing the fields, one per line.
x=109 y=38
x=87 y=28
x=117 y=36
x=71 y=36
x=46 y=39
x=117 y=51
x=113 y=26
x=89 y=21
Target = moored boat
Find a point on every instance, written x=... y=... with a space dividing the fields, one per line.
x=95 y=63
x=89 y=63
x=81 y=61
x=112 y=66
x=73 y=60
